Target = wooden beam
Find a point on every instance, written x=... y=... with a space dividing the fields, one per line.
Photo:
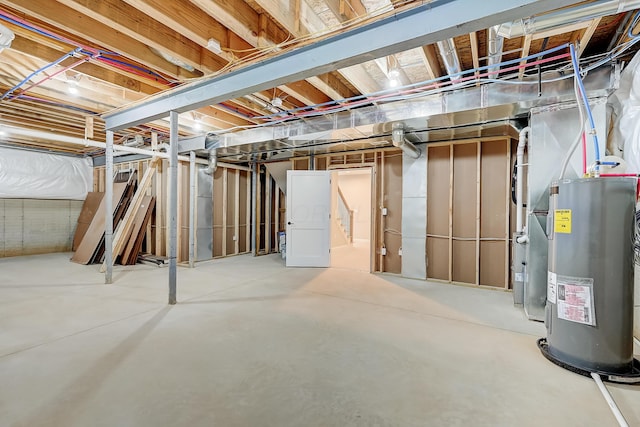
x=526 y=46
x=78 y=24
x=475 y=56
x=430 y=59
x=331 y=84
x=587 y=34
x=130 y=21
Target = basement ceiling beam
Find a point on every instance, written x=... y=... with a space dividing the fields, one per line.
x=416 y=27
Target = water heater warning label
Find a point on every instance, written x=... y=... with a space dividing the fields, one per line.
x=574 y=297
x=562 y=221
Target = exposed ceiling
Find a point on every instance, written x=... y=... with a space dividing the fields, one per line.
x=111 y=53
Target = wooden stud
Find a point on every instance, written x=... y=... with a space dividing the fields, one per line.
x=236 y=217
x=508 y=211
x=268 y=182
x=258 y=211
x=276 y=211
x=225 y=195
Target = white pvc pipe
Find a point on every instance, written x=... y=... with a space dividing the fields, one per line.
x=612 y=404
x=91 y=143
x=522 y=143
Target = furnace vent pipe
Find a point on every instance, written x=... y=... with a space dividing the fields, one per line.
x=447 y=49
x=212 y=164
x=495 y=47
x=399 y=140
x=569 y=16
x=522 y=143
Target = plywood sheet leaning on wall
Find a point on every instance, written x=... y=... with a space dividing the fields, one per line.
x=95 y=233
x=142 y=217
x=89 y=209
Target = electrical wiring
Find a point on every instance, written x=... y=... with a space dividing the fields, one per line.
x=38 y=71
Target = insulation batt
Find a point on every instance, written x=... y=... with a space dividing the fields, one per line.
x=33 y=175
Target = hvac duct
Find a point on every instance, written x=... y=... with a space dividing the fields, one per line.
x=212 y=164
x=447 y=49
x=565 y=17
x=6 y=37
x=495 y=45
x=399 y=140
x=263 y=104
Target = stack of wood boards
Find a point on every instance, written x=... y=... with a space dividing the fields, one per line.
x=134 y=242
x=91 y=244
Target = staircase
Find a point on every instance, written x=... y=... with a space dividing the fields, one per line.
x=345 y=217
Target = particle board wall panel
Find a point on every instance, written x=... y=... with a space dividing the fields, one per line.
x=231 y=194
x=492 y=255
x=88 y=211
x=464 y=190
x=392 y=200
x=95 y=232
x=464 y=261
x=494 y=195
x=301 y=164
x=438 y=258
x=438 y=214
x=244 y=206
x=217 y=212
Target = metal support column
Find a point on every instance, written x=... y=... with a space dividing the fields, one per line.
x=108 y=211
x=173 y=204
x=192 y=208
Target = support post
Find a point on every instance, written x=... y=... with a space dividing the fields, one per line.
x=173 y=207
x=192 y=208
x=108 y=211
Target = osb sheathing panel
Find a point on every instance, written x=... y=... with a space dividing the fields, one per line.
x=393 y=202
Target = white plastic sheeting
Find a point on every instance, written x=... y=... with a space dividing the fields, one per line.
x=33 y=175
x=625 y=137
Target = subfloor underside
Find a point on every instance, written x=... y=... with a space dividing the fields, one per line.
x=251 y=343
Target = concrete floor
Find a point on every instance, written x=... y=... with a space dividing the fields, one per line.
x=254 y=344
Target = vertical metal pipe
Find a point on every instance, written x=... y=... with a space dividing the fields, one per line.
x=108 y=210
x=173 y=207
x=192 y=208
x=254 y=198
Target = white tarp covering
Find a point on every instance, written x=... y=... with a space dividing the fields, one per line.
x=625 y=137
x=32 y=175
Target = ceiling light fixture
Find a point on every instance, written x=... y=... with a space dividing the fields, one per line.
x=276 y=102
x=393 y=71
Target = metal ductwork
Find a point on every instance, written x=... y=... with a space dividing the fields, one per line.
x=6 y=37
x=263 y=104
x=495 y=44
x=212 y=162
x=564 y=17
x=447 y=49
x=398 y=139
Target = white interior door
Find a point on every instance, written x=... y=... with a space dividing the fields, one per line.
x=308 y=218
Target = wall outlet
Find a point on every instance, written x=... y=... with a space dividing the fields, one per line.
x=400 y=251
x=235 y=238
x=384 y=211
x=383 y=251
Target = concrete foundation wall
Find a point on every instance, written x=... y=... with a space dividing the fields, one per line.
x=30 y=226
